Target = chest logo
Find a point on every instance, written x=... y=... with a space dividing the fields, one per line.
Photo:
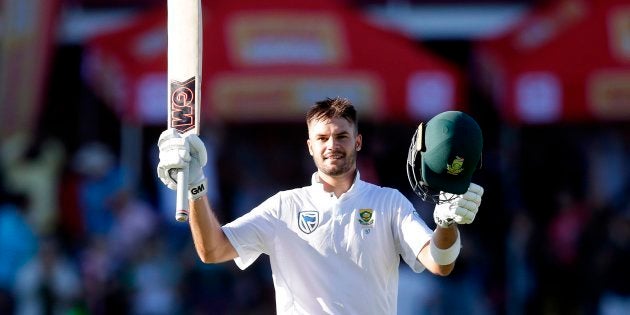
x=308 y=221
x=366 y=216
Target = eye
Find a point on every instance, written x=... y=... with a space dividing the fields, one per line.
x=342 y=136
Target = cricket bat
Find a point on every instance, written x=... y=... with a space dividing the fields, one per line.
x=184 y=24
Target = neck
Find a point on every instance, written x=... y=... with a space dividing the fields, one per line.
x=337 y=184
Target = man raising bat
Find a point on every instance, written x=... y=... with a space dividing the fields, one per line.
x=335 y=245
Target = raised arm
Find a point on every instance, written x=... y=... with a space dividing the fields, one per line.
x=440 y=253
x=210 y=242
x=177 y=152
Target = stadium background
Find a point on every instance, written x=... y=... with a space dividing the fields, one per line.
x=82 y=106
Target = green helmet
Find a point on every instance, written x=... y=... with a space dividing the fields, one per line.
x=450 y=146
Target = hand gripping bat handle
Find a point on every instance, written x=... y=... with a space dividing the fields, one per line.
x=181 y=207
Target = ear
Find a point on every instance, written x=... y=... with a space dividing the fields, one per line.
x=358 y=143
x=308 y=145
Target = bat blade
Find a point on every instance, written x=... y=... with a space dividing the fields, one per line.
x=184 y=24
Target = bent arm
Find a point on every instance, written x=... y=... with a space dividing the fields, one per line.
x=442 y=238
x=210 y=242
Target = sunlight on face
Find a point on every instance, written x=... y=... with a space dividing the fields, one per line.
x=333 y=144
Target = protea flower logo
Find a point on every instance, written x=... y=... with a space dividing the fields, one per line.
x=456 y=167
x=308 y=221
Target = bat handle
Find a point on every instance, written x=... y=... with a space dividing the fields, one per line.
x=181 y=207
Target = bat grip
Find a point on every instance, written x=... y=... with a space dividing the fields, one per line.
x=181 y=207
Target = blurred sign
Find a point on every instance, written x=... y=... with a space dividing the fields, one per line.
x=268 y=97
x=281 y=38
x=538 y=97
x=609 y=94
x=620 y=33
x=430 y=93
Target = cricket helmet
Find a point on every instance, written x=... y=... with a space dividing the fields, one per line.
x=443 y=155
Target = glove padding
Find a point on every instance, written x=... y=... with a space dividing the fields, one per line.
x=178 y=152
x=460 y=209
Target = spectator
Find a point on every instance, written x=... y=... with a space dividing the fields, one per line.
x=100 y=181
x=615 y=259
x=134 y=223
x=33 y=166
x=48 y=283
x=18 y=244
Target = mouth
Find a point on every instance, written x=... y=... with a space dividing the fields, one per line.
x=334 y=156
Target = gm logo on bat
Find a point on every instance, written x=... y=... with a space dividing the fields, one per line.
x=183 y=104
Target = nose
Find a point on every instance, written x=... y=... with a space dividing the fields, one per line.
x=331 y=143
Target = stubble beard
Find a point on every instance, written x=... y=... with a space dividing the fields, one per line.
x=337 y=169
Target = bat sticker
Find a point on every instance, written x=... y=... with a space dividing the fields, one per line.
x=183 y=104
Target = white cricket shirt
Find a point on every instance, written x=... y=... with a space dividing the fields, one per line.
x=332 y=255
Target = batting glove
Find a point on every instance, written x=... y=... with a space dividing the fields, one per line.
x=460 y=209
x=177 y=152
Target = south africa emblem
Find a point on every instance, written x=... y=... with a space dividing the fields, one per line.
x=366 y=216
x=456 y=167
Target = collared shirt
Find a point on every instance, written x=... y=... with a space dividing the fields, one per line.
x=332 y=255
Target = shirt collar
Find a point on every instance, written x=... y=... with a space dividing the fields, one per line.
x=319 y=186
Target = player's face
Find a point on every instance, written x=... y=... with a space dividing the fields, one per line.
x=333 y=144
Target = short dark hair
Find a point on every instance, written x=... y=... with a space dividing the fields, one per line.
x=329 y=108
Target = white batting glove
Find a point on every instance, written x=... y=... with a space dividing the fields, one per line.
x=177 y=152
x=460 y=209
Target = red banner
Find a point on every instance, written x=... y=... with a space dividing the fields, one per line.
x=566 y=62
x=268 y=60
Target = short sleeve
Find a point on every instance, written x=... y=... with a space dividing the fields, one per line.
x=413 y=233
x=251 y=233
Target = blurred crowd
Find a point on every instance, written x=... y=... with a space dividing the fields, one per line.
x=77 y=239
x=552 y=236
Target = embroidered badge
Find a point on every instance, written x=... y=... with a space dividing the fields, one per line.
x=456 y=167
x=308 y=221
x=366 y=216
